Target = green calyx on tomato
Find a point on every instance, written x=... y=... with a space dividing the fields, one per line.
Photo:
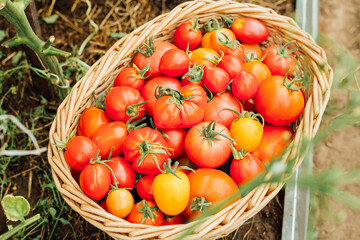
x=296 y=80
x=133 y=110
x=99 y=102
x=172 y=169
x=246 y=114
x=217 y=59
x=210 y=134
x=238 y=154
x=147 y=211
x=150 y=148
x=141 y=73
x=227 y=21
x=148 y=46
x=213 y=25
x=135 y=125
x=177 y=97
x=253 y=58
x=199 y=204
x=196 y=25
x=231 y=44
x=195 y=73
x=283 y=52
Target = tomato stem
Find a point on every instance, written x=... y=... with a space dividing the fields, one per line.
x=133 y=110
x=195 y=73
x=134 y=125
x=296 y=80
x=210 y=134
x=213 y=25
x=231 y=44
x=141 y=73
x=283 y=52
x=253 y=58
x=151 y=148
x=99 y=102
x=177 y=97
x=149 y=47
x=196 y=25
x=238 y=154
x=147 y=211
x=172 y=169
x=199 y=204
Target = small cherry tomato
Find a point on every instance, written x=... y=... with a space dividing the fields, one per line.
x=244 y=86
x=249 y=30
x=216 y=79
x=123 y=171
x=146 y=212
x=79 y=151
x=260 y=70
x=95 y=181
x=245 y=169
x=174 y=63
x=90 y=121
x=132 y=77
x=188 y=34
x=144 y=187
x=119 y=202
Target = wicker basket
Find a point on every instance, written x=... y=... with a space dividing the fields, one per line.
x=100 y=79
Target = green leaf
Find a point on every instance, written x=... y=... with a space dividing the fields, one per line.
x=2 y=35
x=15 y=208
x=117 y=35
x=50 y=20
x=16 y=58
x=52 y=212
x=64 y=221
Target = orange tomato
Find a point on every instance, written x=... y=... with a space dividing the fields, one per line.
x=119 y=202
x=201 y=56
x=260 y=70
x=254 y=49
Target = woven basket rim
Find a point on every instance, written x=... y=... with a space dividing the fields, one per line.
x=100 y=77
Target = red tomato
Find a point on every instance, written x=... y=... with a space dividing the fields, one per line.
x=244 y=85
x=212 y=184
x=206 y=56
x=173 y=220
x=90 y=121
x=144 y=188
x=146 y=212
x=277 y=103
x=274 y=140
x=249 y=105
x=148 y=92
x=175 y=139
x=188 y=34
x=174 y=63
x=146 y=149
x=110 y=136
x=232 y=65
x=249 y=30
x=131 y=77
x=206 y=145
x=79 y=151
x=260 y=70
x=95 y=181
x=194 y=75
x=214 y=109
x=230 y=47
x=123 y=172
x=216 y=79
x=252 y=50
x=279 y=60
x=183 y=109
x=243 y=170
x=152 y=54
x=103 y=204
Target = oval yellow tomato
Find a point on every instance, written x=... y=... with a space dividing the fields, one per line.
x=247 y=133
x=119 y=202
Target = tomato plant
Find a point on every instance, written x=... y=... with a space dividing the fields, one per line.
x=90 y=121
x=144 y=187
x=123 y=171
x=146 y=149
x=132 y=77
x=123 y=103
x=180 y=109
x=119 y=202
x=175 y=139
x=216 y=79
x=95 y=180
x=244 y=86
x=208 y=144
x=146 y=212
x=174 y=63
x=188 y=34
x=249 y=30
x=279 y=101
x=79 y=151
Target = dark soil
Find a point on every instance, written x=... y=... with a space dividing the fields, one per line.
x=31 y=176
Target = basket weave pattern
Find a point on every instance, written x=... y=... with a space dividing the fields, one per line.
x=100 y=79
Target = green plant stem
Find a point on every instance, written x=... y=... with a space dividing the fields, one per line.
x=20 y=227
x=57 y=220
x=14 y=13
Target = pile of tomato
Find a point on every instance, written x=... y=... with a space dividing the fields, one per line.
x=180 y=114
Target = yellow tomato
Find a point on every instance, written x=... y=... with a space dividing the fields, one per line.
x=119 y=202
x=171 y=193
x=247 y=133
x=201 y=55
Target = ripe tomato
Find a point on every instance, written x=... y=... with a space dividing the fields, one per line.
x=103 y=204
x=173 y=220
x=146 y=149
x=183 y=109
x=144 y=187
x=148 y=92
x=171 y=193
x=188 y=34
x=260 y=70
x=119 y=202
x=123 y=103
x=245 y=169
x=211 y=184
x=214 y=109
x=175 y=139
x=252 y=50
x=123 y=172
x=90 y=121
x=274 y=140
x=278 y=101
x=174 y=63
x=109 y=137
x=206 y=56
x=152 y=53
x=194 y=75
x=185 y=161
x=247 y=132
x=244 y=86
x=95 y=181
x=216 y=79
x=217 y=36
x=249 y=30
x=79 y=151
x=208 y=144
x=232 y=65
x=146 y=212
x=280 y=59
x=132 y=77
